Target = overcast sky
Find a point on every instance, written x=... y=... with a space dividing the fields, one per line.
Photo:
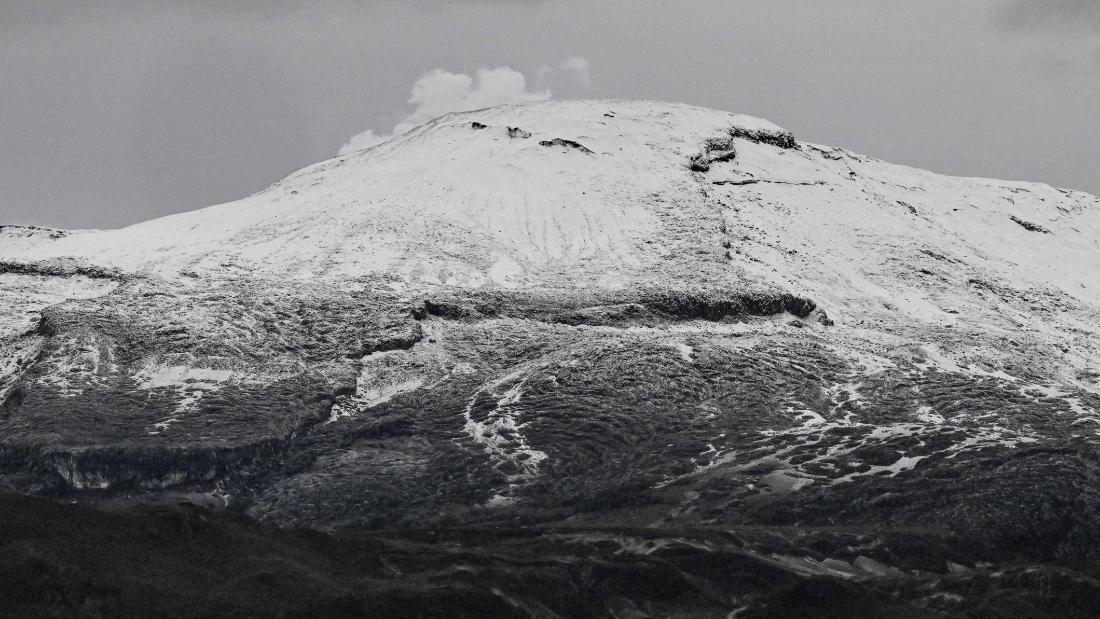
x=115 y=112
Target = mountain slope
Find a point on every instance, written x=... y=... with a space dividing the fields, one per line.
x=594 y=314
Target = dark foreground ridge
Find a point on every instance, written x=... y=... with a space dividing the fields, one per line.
x=183 y=561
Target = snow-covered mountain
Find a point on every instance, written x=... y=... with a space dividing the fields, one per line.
x=586 y=313
x=494 y=207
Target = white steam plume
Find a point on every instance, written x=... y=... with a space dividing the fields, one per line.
x=439 y=91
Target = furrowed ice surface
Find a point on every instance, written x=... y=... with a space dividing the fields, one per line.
x=608 y=316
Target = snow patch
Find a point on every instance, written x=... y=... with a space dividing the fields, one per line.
x=153 y=376
x=686 y=352
x=500 y=434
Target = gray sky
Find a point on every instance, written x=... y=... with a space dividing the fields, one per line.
x=115 y=112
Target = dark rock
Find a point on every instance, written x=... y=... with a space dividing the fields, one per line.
x=1027 y=225
x=699 y=163
x=722 y=148
x=778 y=139
x=516 y=132
x=567 y=144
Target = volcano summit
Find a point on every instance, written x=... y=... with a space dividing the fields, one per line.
x=582 y=358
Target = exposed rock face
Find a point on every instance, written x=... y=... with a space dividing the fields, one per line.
x=1028 y=225
x=517 y=133
x=702 y=342
x=567 y=144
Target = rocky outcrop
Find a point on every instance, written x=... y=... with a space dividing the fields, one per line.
x=1027 y=225
x=776 y=138
x=723 y=148
x=645 y=305
x=60 y=268
x=709 y=306
x=568 y=144
x=516 y=132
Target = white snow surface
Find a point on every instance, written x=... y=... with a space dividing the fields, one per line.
x=446 y=203
x=449 y=204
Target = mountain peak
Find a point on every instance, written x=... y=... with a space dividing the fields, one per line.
x=608 y=194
